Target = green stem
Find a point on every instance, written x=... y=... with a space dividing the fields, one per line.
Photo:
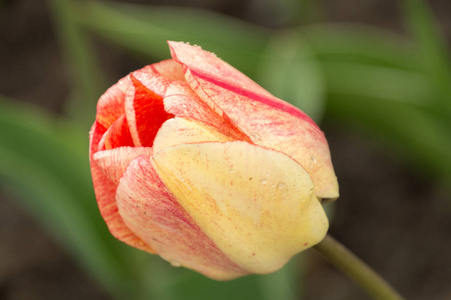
x=355 y=268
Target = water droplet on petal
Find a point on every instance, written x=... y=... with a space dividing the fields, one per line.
x=256 y=136
x=281 y=185
x=263 y=181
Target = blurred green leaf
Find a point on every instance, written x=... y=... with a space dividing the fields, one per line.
x=290 y=71
x=287 y=13
x=199 y=287
x=145 y=29
x=433 y=51
x=279 y=285
x=380 y=82
x=286 y=283
x=86 y=78
x=45 y=161
x=417 y=134
x=336 y=42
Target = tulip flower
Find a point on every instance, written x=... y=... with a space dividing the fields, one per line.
x=195 y=162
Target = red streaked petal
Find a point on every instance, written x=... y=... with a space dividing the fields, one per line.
x=207 y=66
x=111 y=104
x=181 y=101
x=194 y=58
x=114 y=162
x=145 y=113
x=105 y=191
x=152 y=80
x=152 y=212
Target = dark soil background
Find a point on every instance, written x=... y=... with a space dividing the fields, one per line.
x=390 y=215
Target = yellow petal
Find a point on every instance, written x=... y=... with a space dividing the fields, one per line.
x=178 y=131
x=155 y=216
x=257 y=205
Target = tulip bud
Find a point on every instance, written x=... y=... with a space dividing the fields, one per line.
x=195 y=162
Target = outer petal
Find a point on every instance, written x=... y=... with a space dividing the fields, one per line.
x=152 y=212
x=194 y=58
x=268 y=121
x=105 y=191
x=256 y=204
x=113 y=163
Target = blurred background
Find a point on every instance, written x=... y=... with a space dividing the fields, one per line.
x=375 y=75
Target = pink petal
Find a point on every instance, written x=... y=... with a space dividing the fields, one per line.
x=152 y=212
x=114 y=162
x=207 y=66
x=207 y=63
x=181 y=101
x=169 y=69
x=105 y=191
x=150 y=77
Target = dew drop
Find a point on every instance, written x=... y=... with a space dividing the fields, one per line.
x=263 y=181
x=175 y=264
x=256 y=136
x=281 y=185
